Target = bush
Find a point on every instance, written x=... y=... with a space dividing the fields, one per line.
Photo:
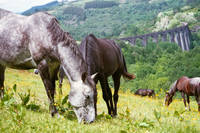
x=158 y=66
x=79 y=12
x=100 y=4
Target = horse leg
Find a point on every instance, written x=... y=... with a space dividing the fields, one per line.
x=183 y=96
x=2 y=74
x=109 y=92
x=198 y=102
x=49 y=82
x=188 y=101
x=116 y=79
x=95 y=97
x=105 y=93
x=61 y=77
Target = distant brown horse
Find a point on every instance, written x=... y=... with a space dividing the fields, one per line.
x=104 y=56
x=145 y=92
x=185 y=85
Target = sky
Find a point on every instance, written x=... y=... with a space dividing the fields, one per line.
x=21 y=5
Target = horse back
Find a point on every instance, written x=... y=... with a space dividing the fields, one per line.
x=14 y=41
x=24 y=40
x=102 y=55
x=182 y=83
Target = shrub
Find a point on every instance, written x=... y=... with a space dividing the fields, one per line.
x=100 y=4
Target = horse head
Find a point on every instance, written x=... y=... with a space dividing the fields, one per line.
x=168 y=98
x=171 y=93
x=81 y=97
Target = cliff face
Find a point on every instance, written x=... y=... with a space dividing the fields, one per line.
x=168 y=20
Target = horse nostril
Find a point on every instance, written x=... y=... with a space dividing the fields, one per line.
x=92 y=121
x=88 y=122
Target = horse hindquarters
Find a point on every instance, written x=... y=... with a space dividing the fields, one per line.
x=2 y=73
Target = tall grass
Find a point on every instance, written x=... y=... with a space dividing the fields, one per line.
x=135 y=114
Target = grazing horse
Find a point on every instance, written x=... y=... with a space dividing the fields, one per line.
x=37 y=41
x=185 y=85
x=104 y=57
x=145 y=92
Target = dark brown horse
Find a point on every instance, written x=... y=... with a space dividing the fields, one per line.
x=104 y=56
x=145 y=92
x=185 y=85
x=37 y=41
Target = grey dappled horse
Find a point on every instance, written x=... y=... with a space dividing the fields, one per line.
x=37 y=41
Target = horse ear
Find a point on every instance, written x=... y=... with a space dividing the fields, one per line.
x=84 y=76
x=94 y=75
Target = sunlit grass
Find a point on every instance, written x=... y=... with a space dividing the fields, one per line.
x=135 y=114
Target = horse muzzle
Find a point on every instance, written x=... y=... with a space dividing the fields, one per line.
x=85 y=114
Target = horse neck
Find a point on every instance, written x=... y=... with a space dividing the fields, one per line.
x=173 y=89
x=67 y=50
x=89 y=49
x=72 y=60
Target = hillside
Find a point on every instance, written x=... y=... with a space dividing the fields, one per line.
x=124 y=17
x=45 y=7
x=155 y=66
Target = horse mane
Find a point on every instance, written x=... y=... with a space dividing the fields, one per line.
x=172 y=89
x=89 y=49
x=58 y=35
x=3 y=13
x=92 y=36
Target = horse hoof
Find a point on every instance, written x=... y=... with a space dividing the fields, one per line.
x=114 y=116
x=36 y=71
x=57 y=115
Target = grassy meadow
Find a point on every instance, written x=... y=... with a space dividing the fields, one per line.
x=135 y=114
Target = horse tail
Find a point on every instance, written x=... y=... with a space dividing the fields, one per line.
x=125 y=73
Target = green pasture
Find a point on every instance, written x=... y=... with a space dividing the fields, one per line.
x=135 y=114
